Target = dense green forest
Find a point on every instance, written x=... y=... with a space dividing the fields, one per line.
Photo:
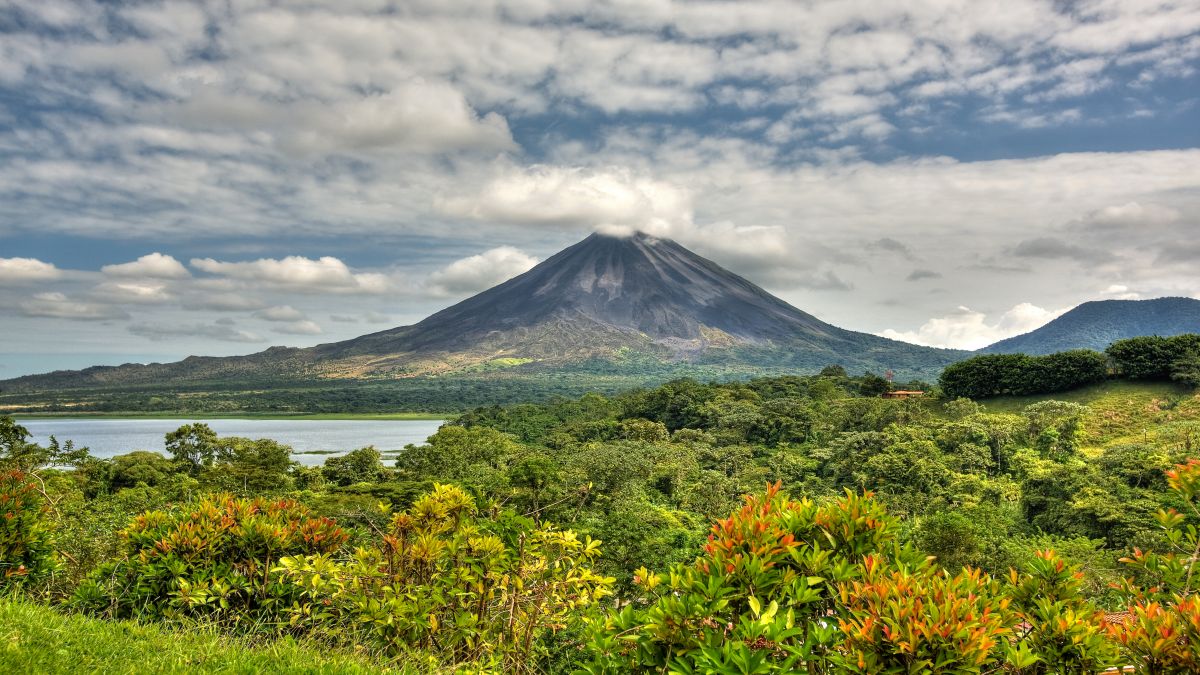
x=450 y=393
x=777 y=525
x=1149 y=358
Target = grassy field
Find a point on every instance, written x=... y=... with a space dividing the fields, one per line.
x=1120 y=411
x=38 y=639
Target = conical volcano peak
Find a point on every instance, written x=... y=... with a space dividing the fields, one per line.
x=626 y=235
x=643 y=287
x=628 y=301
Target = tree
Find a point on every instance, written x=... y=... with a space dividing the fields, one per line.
x=357 y=466
x=250 y=467
x=833 y=371
x=960 y=407
x=873 y=385
x=1186 y=369
x=16 y=452
x=1055 y=427
x=140 y=467
x=535 y=476
x=453 y=451
x=193 y=447
x=1152 y=357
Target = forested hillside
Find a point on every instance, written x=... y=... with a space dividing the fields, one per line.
x=608 y=534
x=1097 y=324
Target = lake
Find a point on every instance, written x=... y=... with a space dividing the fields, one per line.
x=111 y=437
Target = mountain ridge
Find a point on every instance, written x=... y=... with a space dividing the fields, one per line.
x=1098 y=323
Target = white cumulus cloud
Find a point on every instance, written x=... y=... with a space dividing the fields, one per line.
x=614 y=200
x=138 y=292
x=24 y=270
x=324 y=275
x=968 y=329
x=482 y=271
x=152 y=266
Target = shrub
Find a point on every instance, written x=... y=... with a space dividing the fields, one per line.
x=901 y=620
x=26 y=548
x=1059 y=630
x=213 y=560
x=467 y=587
x=1160 y=630
x=758 y=598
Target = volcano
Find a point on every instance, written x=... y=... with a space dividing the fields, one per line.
x=620 y=302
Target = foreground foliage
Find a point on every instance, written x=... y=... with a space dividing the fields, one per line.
x=898 y=535
x=483 y=589
x=26 y=547
x=38 y=639
x=214 y=560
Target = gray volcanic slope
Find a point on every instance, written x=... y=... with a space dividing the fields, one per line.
x=603 y=297
x=638 y=284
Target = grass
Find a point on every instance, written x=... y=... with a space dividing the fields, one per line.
x=1120 y=411
x=38 y=639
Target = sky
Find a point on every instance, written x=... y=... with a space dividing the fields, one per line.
x=219 y=176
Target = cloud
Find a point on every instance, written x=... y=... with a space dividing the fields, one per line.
x=221 y=331
x=1130 y=215
x=296 y=273
x=774 y=147
x=1120 y=292
x=343 y=318
x=280 y=313
x=417 y=116
x=613 y=199
x=1179 y=252
x=136 y=292
x=620 y=202
x=376 y=317
x=150 y=266
x=58 y=306
x=480 y=272
x=827 y=281
x=889 y=245
x=968 y=329
x=921 y=274
x=1052 y=248
x=299 y=328
x=26 y=270
x=222 y=302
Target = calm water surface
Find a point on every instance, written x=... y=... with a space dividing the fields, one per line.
x=110 y=437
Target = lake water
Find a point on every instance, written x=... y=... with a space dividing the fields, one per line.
x=111 y=437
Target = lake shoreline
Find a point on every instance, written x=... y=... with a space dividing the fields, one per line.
x=383 y=417
x=311 y=441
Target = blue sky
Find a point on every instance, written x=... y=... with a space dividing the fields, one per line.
x=216 y=177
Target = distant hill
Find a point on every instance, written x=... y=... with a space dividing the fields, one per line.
x=1095 y=325
x=607 y=304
